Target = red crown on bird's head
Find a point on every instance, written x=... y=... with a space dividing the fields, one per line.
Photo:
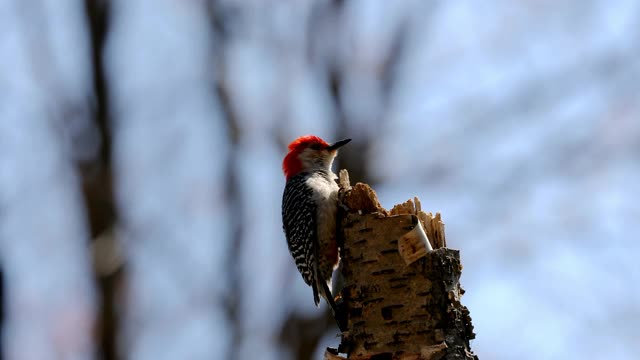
x=303 y=142
x=292 y=164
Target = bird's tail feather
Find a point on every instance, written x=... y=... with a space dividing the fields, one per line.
x=316 y=297
x=338 y=315
x=329 y=297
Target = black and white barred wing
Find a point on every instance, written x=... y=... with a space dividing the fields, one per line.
x=299 y=223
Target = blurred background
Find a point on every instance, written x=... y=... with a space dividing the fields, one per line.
x=140 y=167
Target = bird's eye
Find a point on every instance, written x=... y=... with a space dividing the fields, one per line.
x=314 y=146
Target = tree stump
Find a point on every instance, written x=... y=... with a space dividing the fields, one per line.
x=401 y=300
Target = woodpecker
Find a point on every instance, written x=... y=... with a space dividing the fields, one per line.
x=309 y=208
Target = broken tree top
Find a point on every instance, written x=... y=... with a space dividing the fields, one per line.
x=401 y=297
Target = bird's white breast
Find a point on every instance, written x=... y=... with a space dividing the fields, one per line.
x=325 y=196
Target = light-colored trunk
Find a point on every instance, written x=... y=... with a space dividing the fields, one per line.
x=399 y=303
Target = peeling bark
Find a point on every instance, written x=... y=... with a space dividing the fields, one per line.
x=395 y=310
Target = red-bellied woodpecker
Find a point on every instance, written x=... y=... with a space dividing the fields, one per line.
x=309 y=207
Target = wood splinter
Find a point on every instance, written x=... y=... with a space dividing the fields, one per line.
x=402 y=293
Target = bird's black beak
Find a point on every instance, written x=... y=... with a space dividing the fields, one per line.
x=338 y=144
